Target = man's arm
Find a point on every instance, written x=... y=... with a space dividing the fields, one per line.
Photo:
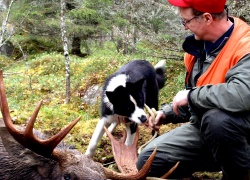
x=233 y=95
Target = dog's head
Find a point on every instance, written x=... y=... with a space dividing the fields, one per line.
x=128 y=101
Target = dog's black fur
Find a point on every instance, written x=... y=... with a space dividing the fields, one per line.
x=124 y=94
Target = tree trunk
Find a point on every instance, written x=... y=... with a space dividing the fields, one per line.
x=66 y=53
x=4 y=24
x=76 y=46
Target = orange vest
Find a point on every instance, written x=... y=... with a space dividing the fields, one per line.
x=237 y=46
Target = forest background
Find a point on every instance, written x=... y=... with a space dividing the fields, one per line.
x=61 y=51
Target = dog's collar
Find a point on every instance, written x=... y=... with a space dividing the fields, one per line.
x=126 y=120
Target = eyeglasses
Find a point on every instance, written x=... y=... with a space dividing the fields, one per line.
x=185 y=22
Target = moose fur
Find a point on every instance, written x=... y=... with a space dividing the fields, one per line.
x=19 y=163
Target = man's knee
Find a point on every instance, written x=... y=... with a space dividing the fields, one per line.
x=142 y=158
x=157 y=165
x=163 y=163
x=220 y=126
x=213 y=122
x=160 y=165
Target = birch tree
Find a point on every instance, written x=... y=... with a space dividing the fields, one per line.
x=4 y=26
x=66 y=53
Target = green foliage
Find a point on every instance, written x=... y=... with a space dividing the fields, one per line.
x=85 y=16
x=5 y=61
x=119 y=21
x=240 y=9
x=157 y=23
x=175 y=81
x=90 y=18
x=32 y=16
x=98 y=4
x=31 y=45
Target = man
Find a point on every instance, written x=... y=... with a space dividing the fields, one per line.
x=216 y=101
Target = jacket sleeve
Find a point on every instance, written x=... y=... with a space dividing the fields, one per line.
x=233 y=95
x=171 y=117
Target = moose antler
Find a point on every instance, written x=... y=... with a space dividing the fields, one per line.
x=141 y=175
x=125 y=156
x=27 y=138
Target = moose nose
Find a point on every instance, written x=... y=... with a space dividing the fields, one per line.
x=143 y=119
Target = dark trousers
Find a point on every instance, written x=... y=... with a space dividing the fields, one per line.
x=217 y=142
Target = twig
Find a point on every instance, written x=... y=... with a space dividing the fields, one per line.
x=109 y=163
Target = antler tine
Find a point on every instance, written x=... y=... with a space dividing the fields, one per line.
x=29 y=128
x=134 y=176
x=56 y=139
x=165 y=176
x=27 y=138
x=5 y=108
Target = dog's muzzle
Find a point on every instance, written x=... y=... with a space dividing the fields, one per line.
x=143 y=118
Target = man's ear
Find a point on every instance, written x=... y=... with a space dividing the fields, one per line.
x=136 y=85
x=208 y=18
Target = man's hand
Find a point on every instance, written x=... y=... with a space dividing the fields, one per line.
x=159 y=120
x=181 y=99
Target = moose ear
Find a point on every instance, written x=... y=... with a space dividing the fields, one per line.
x=135 y=85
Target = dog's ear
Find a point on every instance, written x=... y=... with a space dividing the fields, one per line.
x=115 y=95
x=135 y=85
x=110 y=95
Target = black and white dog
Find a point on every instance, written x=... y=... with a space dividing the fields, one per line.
x=124 y=94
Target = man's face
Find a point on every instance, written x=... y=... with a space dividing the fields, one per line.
x=193 y=23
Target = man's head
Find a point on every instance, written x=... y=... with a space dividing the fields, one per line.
x=207 y=19
x=210 y=6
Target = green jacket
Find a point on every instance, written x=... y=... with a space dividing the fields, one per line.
x=233 y=95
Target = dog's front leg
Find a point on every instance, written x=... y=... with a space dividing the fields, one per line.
x=131 y=128
x=97 y=135
x=112 y=126
x=114 y=123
